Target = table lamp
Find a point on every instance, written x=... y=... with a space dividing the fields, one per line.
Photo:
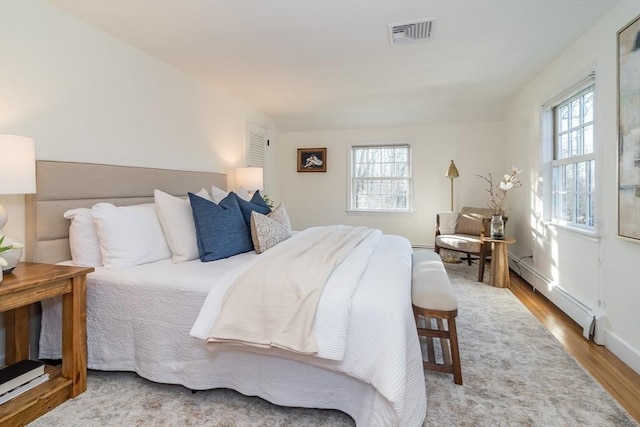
x=250 y=179
x=17 y=176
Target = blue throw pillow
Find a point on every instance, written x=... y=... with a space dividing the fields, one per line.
x=256 y=203
x=220 y=228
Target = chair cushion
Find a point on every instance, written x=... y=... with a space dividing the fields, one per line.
x=470 y=220
x=459 y=242
x=430 y=285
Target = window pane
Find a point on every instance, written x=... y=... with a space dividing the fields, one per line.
x=588 y=139
x=570 y=184
x=575 y=113
x=588 y=107
x=581 y=177
x=564 y=146
x=564 y=118
x=574 y=143
x=582 y=209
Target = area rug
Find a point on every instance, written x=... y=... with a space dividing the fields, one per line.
x=515 y=374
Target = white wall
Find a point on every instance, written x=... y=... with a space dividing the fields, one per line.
x=86 y=96
x=603 y=273
x=321 y=198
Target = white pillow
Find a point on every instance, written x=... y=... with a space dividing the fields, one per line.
x=129 y=235
x=243 y=193
x=83 y=238
x=218 y=194
x=271 y=229
x=176 y=219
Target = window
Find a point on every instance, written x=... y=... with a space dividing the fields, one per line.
x=381 y=178
x=574 y=161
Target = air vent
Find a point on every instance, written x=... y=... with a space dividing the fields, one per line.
x=411 y=31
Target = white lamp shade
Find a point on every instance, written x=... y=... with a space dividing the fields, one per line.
x=249 y=178
x=17 y=165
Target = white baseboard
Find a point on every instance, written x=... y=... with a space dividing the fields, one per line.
x=624 y=352
x=593 y=321
x=422 y=246
x=579 y=312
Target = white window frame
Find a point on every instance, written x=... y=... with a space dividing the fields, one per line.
x=552 y=160
x=351 y=203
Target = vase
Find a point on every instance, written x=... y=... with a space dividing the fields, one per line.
x=12 y=256
x=497 y=226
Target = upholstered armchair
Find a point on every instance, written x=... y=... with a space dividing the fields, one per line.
x=464 y=232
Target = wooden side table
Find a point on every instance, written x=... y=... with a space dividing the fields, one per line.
x=27 y=284
x=499 y=262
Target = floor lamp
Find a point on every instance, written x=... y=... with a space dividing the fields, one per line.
x=452 y=173
x=447 y=255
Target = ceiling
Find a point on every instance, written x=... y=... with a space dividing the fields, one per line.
x=328 y=64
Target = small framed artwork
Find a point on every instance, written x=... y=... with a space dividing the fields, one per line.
x=629 y=130
x=312 y=159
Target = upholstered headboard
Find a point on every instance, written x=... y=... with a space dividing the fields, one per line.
x=64 y=185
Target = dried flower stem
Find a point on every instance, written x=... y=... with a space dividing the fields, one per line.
x=498 y=193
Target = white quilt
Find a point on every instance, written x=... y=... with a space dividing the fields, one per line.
x=332 y=315
x=139 y=319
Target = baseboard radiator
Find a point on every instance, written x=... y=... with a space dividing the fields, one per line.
x=586 y=317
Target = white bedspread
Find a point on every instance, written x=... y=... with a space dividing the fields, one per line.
x=332 y=315
x=139 y=320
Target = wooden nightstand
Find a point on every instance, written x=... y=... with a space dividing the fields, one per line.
x=30 y=283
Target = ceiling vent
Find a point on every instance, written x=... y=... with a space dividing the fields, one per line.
x=411 y=31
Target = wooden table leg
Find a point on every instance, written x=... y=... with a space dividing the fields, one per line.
x=74 y=336
x=499 y=266
x=17 y=334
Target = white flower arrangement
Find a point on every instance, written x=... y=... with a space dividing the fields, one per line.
x=3 y=263
x=268 y=200
x=498 y=193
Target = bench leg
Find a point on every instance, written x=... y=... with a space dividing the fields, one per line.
x=455 y=351
x=448 y=341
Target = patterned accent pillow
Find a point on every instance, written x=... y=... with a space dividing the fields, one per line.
x=271 y=229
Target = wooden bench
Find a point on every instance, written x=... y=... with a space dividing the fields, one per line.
x=433 y=300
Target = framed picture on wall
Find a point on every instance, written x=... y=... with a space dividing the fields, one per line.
x=312 y=159
x=629 y=130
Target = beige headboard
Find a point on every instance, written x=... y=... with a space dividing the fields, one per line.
x=64 y=185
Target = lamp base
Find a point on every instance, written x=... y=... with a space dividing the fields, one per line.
x=3 y=218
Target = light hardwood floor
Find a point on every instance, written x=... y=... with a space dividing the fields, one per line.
x=622 y=382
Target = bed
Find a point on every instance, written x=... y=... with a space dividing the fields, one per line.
x=142 y=318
